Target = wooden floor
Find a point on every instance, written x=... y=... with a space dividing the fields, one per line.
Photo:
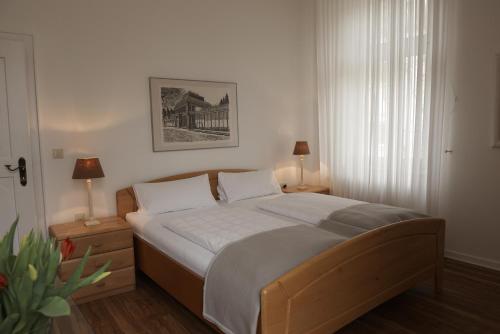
x=470 y=303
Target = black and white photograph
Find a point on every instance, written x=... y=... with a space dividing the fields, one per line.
x=191 y=114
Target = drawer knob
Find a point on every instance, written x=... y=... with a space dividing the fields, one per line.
x=101 y=284
x=97 y=245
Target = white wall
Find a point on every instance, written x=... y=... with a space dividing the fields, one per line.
x=470 y=197
x=93 y=59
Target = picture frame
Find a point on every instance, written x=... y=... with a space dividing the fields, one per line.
x=193 y=114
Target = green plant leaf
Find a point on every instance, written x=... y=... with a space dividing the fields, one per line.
x=53 y=264
x=40 y=324
x=72 y=282
x=8 y=302
x=6 y=248
x=21 y=326
x=39 y=289
x=94 y=277
x=101 y=276
x=21 y=263
x=7 y=243
x=24 y=293
x=25 y=240
x=10 y=264
x=8 y=323
x=54 y=307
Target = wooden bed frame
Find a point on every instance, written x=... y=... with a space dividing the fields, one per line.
x=324 y=293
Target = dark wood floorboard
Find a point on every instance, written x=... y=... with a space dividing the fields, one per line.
x=470 y=303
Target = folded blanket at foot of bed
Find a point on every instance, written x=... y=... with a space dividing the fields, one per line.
x=361 y=218
x=242 y=269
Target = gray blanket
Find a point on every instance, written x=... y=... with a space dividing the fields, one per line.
x=361 y=218
x=240 y=271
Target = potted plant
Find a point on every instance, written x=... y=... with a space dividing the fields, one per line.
x=30 y=294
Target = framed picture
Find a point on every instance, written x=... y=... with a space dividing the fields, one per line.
x=191 y=114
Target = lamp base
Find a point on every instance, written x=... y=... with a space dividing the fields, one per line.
x=302 y=187
x=92 y=222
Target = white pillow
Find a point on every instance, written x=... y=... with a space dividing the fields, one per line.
x=155 y=198
x=237 y=186
x=220 y=191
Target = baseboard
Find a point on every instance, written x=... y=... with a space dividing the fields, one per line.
x=476 y=260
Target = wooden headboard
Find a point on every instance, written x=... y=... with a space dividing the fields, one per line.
x=125 y=198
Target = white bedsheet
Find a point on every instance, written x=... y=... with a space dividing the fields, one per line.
x=307 y=207
x=214 y=228
x=197 y=258
x=253 y=204
x=187 y=253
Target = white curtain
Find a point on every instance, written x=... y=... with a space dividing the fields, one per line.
x=379 y=117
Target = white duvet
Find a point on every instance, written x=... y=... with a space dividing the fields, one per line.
x=308 y=207
x=214 y=228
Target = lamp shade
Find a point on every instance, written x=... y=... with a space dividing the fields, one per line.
x=89 y=168
x=301 y=148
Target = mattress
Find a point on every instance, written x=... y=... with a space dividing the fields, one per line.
x=253 y=204
x=187 y=253
x=216 y=227
x=307 y=207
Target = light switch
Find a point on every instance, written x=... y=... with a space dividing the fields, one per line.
x=57 y=153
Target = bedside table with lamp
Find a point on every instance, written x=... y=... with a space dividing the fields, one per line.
x=301 y=149
x=111 y=238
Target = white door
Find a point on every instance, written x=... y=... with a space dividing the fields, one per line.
x=20 y=190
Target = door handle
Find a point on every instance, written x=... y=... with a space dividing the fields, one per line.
x=21 y=167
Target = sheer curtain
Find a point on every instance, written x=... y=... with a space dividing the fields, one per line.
x=378 y=99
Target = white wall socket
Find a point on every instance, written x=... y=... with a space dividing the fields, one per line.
x=57 y=153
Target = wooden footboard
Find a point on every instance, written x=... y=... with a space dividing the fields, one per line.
x=339 y=285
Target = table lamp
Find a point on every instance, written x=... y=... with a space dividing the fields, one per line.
x=301 y=149
x=88 y=169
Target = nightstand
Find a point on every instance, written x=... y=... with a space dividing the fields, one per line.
x=111 y=240
x=309 y=189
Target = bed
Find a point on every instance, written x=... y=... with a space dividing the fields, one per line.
x=320 y=295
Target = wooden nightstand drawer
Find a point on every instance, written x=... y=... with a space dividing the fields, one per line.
x=122 y=279
x=102 y=243
x=119 y=259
